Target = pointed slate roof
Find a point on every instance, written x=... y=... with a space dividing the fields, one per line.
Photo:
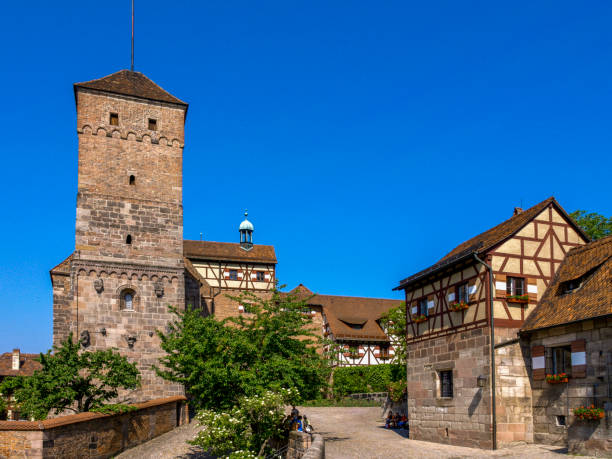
x=128 y=83
x=485 y=241
x=592 y=265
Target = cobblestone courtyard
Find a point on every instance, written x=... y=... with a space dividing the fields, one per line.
x=349 y=433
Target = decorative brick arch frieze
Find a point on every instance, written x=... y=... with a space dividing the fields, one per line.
x=102 y=131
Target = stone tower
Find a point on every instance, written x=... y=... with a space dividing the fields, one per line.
x=127 y=267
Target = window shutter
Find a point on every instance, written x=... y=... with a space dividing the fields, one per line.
x=226 y=274
x=538 y=362
x=472 y=290
x=500 y=285
x=579 y=358
x=532 y=290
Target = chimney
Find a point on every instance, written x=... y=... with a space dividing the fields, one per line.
x=517 y=210
x=16 y=359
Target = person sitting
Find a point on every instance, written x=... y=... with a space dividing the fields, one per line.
x=306 y=425
x=396 y=420
x=402 y=422
x=299 y=424
x=389 y=420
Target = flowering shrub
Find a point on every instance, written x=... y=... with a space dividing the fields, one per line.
x=459 y=306
x=557 y=378
x=397 y=390
x=591 y=413
x=420 y=318
x=247 y=428
x=518 y=298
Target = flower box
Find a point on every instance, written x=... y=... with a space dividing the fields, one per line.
x=557 y=379
x=589 y=414
x=517 y=299
x=419 y=319
x=459 y=306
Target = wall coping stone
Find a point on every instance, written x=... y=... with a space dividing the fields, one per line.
x=80 y=417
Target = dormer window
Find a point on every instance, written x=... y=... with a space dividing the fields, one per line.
x=152 y=124
x=114 y=119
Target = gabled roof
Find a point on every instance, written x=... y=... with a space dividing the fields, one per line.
x=485 y=241
x=128 y=83
x=27 y=364
x=592 y=264
x=63 y=267
x=349 y=317
x=228 y=251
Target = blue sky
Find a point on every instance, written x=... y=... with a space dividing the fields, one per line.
x=367 y=139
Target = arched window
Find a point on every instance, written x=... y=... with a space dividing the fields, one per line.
x=128 y=299
x=128 y=239
x=132 y=180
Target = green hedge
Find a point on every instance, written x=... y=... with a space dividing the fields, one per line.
x=365 y=379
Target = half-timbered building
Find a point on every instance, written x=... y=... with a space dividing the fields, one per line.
x=225 y=269
x=352 y=323
x=480 y=292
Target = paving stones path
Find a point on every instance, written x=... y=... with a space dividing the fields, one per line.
x=359 y=433
x=349 y=433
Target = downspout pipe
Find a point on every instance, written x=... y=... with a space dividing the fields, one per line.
x=492 y=346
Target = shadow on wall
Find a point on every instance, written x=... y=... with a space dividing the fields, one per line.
x=475 y=402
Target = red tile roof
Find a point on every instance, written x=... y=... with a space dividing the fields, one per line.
x=228 y=251
x=128 y=83
x=593 y=264
x=350 y=318
x=485 y=241
x=27 y=365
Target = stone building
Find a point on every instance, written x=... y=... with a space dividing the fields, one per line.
x=130 y=260
x=353 y=324
x=480 y=292
x=570 y=332
x=127 y=266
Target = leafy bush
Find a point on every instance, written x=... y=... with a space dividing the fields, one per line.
x=373 y=378
x=220 y=361
x=247 y=428
x=397 y=390
x=72 y=380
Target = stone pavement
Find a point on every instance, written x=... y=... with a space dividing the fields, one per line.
x=171 y=445
x=349 y=433
x=359 y=433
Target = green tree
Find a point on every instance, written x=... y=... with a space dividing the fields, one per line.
x=594 y=225
x=394 y=324
x=72 y=380
x=268 y=348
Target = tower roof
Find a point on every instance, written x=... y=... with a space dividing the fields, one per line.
x=128 y=83
x=246 y=225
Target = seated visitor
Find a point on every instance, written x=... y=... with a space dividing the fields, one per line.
x=396 y=420
x=402 y=422
x=299 y=424
x=389 y=420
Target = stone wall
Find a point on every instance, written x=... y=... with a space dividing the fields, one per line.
x=464 y=419
x=513 y=399
x=305 y=446
x=553 y=404
x=91 y=435
x=92 y=304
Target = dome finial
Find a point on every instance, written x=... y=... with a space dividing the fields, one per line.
x=246 y=212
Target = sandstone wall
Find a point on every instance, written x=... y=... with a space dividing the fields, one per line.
x=512 y=389
x=91 y=435
x=464 y=419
